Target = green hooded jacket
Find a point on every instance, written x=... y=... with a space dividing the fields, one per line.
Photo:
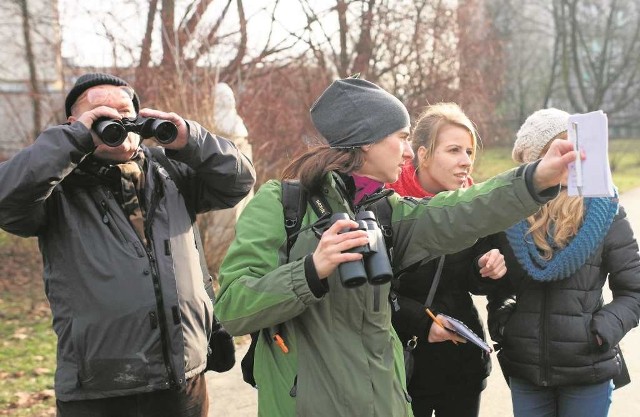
x=344 y=358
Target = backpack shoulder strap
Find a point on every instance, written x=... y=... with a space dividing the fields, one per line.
x=294 y=205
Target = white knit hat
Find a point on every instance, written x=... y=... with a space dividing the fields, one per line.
x=536 y=132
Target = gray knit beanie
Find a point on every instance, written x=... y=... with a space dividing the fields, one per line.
x=352 y=112
x=536 y=132
x=92 y=79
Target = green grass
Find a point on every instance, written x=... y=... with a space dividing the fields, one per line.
x=492 y=161
x=27 y=358
x=624 y=159
x=27 y=342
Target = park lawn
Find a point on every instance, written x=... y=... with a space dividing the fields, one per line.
x=27 y=357
x=624 y=160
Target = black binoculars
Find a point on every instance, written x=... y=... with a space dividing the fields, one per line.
x=113 y=132
x=374 y=265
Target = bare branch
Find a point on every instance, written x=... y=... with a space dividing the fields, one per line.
x=145 y=49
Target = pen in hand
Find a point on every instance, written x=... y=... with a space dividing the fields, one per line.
x=578 y=163
x=439 y=323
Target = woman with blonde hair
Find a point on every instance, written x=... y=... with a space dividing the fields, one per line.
x=447 y=378
x=559 y=340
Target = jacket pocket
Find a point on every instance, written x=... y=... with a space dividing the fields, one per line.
x=115 y=354
x=293 y=392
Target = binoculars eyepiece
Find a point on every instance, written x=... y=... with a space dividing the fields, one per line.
x=374 y=265
x=113 y=132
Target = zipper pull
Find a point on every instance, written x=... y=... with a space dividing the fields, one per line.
x=104 y=209
x=393 y=298
x=280 y=342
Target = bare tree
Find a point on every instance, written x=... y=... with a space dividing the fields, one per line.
x=530 y=45
x=577 y=55
x=481 y=69
x=423 y=51
x=33 y=76
x=30 y=71
x=601 y=54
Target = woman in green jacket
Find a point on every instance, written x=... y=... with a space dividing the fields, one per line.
x=326 y=349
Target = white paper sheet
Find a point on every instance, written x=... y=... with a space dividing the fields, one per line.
x=590 y=132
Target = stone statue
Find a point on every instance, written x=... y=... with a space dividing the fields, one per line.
x=228 y=122
x=220 y=225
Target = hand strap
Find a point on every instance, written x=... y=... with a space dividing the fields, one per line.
x=412 y=343
x=434 y=283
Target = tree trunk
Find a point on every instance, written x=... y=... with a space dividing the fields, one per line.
x=34 y=90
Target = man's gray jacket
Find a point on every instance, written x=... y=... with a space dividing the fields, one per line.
x=129 y=318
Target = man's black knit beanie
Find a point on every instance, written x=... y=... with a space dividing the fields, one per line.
x=92 y=79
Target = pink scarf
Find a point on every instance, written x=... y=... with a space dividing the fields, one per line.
x=365 y=186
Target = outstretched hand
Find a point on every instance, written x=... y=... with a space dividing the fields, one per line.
x=553 y=168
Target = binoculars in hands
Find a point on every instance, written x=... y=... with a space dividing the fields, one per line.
x=374 y=265
x=113 y=132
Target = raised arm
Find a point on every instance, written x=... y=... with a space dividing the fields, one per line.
x=28 y=179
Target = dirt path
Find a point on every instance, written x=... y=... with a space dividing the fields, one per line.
x=230 y=396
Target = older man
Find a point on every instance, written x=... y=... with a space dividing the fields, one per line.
x=121 y=270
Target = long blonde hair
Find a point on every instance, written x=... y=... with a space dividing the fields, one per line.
x=559 y=219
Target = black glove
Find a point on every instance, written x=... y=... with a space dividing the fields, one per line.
x=498 y=318
x=222 y=351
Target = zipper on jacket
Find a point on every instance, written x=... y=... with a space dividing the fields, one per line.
x=544 y=337
x=103 y=207
x=155 y=276
x=376 y=298
x=162 y=317
x=104 y=210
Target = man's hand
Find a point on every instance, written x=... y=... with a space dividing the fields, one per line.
x=182 y=138
x=89 y=117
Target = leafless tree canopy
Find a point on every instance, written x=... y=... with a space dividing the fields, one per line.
x=499 y=59
x=580 y=55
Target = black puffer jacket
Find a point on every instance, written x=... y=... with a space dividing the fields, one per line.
x=548 y=334
x=441 y=367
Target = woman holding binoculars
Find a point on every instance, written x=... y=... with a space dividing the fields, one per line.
x=336 y=352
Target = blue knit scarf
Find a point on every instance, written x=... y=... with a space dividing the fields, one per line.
x=598 y=216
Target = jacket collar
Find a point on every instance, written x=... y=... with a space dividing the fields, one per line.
x=341 y=189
